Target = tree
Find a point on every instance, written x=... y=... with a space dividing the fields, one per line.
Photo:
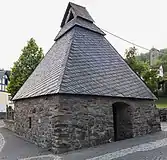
x=29 y=59
x=142 y=69
x=162 y=61
x=143 y=57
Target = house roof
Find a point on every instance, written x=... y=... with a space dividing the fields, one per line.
x=82 y=61
x=4 y=72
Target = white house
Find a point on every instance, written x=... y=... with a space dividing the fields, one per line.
x=4 y=96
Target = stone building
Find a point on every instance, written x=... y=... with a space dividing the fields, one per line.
x=83 y=93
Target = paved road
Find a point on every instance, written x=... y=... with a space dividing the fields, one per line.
x=150 y=147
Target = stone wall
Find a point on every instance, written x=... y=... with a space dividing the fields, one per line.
x=42 y=111
x=88 y=122
x=163 y=114
x=67 y=122
x=145 y=118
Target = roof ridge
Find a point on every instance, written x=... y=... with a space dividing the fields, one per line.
x=81 y=23
x=66 y=59
x=71 y=3
x=34 y=71
x=43 y=74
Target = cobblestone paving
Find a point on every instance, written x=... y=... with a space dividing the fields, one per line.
x=139 y=148
x=43 y=157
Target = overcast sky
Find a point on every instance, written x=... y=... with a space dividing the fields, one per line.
x=141 y=21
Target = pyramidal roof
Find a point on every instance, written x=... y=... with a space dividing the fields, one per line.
x=82 y=61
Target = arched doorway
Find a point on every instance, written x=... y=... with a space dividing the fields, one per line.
x=122 y=118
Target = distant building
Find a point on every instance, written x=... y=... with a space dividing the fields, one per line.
x=4 y=79
x=154 y=55
x=5 y=101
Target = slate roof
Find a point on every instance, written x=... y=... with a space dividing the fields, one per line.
x=82 y=61
x=79 y=11
x=79 y=22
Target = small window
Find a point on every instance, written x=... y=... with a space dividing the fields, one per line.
x=30 y=122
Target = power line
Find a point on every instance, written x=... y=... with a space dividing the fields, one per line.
x=134 y=44
x=126 y=40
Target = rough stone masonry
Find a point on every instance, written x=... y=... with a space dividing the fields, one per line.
x=64 y=122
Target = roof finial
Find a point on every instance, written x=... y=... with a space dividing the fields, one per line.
x=74 y=11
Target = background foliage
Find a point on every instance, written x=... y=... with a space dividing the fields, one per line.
x=29 y=59
x=142 y=69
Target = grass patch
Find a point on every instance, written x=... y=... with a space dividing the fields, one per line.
x=161 y=102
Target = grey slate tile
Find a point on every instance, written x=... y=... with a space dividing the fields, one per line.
x=82 y=61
